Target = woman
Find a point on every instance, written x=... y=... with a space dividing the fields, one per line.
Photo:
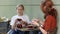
x=49 y=25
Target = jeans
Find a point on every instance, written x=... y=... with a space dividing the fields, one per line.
x=17 y=32
x=39 y=32
x=26 y=32
x=10 y=32
x=31 y=32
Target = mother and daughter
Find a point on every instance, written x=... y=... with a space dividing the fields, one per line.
x=48 y=26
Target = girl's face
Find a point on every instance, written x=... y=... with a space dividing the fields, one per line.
x=20 y=10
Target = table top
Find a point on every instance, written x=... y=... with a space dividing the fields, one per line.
x=28 y=29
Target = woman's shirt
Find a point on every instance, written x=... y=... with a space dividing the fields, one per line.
x=50 y=23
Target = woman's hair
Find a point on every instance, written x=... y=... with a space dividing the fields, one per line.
x=52 y=12
x=43 y=4
x=20 y=5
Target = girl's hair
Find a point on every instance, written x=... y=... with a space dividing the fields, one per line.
x=20 y=5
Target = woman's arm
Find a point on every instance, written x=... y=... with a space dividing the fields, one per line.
x=42 y=30
x=39 y=26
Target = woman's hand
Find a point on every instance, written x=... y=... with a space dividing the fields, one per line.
x=35 y=22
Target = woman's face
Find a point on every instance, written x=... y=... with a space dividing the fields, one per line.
x=47 y=7
x=44 y=9
x=48 y=4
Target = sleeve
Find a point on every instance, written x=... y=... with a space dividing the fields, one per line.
x=12 y=21
x=47 y=24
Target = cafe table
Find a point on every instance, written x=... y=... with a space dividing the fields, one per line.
x=29 y=30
